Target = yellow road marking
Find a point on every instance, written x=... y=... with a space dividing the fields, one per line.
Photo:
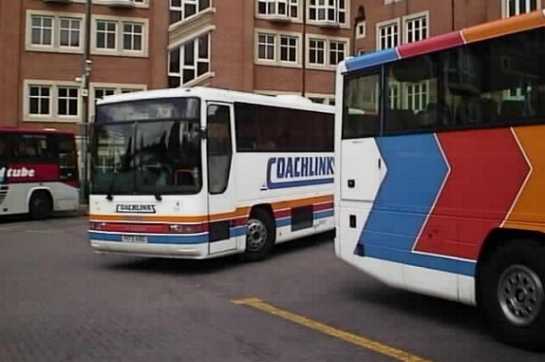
x=330 y=331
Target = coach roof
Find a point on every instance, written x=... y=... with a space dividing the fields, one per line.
x=220 y=95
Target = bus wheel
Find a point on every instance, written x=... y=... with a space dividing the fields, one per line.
x=512 y=294
x=260 y=236
x=40 y=205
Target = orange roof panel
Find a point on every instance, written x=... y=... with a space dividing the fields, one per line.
x=504 y=27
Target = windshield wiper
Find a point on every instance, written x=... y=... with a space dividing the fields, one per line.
x=109 y=195
x=158 y=196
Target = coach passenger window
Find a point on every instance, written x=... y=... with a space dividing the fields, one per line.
x=361 y=116
x=5 y=148
x=413 y=103
x=219 y=148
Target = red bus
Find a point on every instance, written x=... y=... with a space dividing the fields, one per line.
x=38 y=172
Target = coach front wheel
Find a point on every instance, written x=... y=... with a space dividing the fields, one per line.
x=512 y=294
x=260 y=235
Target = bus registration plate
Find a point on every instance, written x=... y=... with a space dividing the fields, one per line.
x=134 y=239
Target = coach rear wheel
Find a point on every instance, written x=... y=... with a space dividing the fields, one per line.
x=260 y=235
x=512 y=294
x=40 y=205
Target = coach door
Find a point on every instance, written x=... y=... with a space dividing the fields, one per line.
x=221 y=199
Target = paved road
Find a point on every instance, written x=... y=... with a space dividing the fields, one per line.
x=60 y=302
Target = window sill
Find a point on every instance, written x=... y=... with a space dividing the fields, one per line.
x=192 y=18
x=199 y=79
x=278 y=64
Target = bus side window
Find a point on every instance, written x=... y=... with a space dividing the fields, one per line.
x=361 y=116
x=5 y=149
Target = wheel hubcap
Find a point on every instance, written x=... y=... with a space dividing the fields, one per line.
x=256 y=236
x=520 y=293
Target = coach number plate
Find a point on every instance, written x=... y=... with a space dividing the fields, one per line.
x=134 y=239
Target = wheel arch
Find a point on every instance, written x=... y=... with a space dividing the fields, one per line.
x=266 y=208
x=37 y=189
x=496 y=239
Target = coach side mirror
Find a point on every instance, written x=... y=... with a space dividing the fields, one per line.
x=203 y=133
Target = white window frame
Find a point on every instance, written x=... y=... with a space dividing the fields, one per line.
x=327 y=50
x=68 y=98
x=505 y=7
x=326 y=7
x=39 y=98
x=277 y=61
x=53 y=115
x=136 y=3
x=384 y=24
x=267 y=45
x=289 y=48
x=200 y=12
x=70 y=30
x=132 y=34
x=180 y=45
x=56 y=32
x=118 y=88
x=119 y=51
x=107 y=33
x=361 y=34
x=389 y=2
x=289 y=6
x=412 y=18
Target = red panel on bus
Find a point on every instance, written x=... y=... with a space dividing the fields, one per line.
x=477 y=194
x=433 y=44
x=23 y=173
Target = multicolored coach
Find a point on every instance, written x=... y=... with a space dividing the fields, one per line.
x=441 y=185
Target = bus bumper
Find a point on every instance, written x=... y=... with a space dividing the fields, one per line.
x=193 y=251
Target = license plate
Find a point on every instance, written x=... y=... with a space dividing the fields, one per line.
x=134 y=239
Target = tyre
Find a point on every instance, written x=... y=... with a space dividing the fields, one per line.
x=40 y=205
x=511 y=294
x=260 y=236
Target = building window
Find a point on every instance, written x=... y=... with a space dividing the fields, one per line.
x=103 y=92
x=69 y=30
x=121 y=37
x=39 y=100
x=327 y=11
x=388 y=35
x=42 y=30
x=67 y=101
x=287 y=8
x=326 y=52
x=336 y=52
x=416 y=28
x=183 y=9
x=417 y=96
x=189 y=61
x=361 y=30
x=288 y=48
x=132 y=36
x=518 y=7
x=266 y=46
x=317 y=52
x=106 y=34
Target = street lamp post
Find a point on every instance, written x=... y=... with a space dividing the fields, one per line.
x=84 y=90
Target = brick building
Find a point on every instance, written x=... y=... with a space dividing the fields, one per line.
x=382 y=24
x=43 y=42
x=265 y=46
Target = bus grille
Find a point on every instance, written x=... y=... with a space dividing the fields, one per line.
x=3 y=193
